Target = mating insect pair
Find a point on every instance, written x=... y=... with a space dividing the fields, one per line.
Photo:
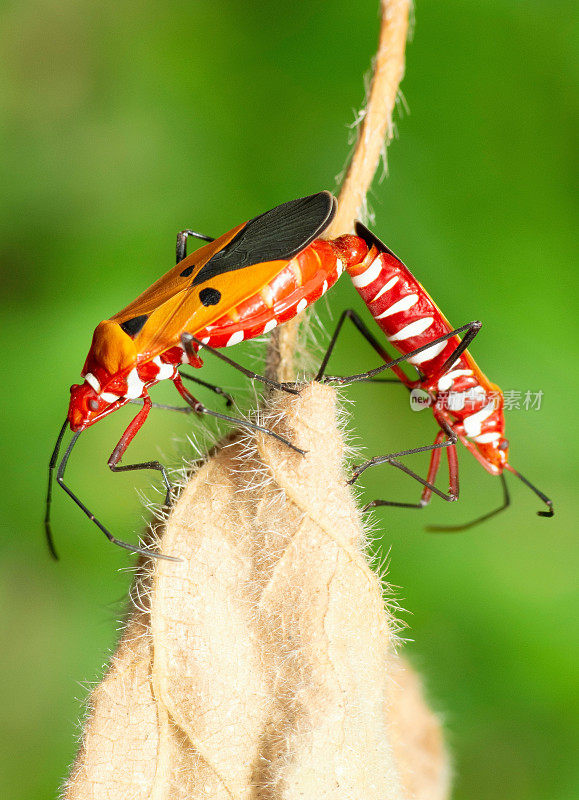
x=263 y=273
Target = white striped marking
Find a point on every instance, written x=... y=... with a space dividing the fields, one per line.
x=235 y=338
x=447 y=380
x=301 y=305
x=400 y=305
x=135 y=385
x=412 y=329
x=205 y=339
x=386 y=288
x=92 y=381
x=476 y=395
x=339 y=267
x=428 y=354
x=165 y=370
x=487 y=438
x=473 y=423
x=325 y=287
x=109 y=397
x=456 y=401
x=270 y=325
x=369 y=275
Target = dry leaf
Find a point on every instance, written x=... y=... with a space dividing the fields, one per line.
x=264 y=667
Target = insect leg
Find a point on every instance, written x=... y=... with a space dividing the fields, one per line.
x=199 y=408
x=361 y=327
x=187 y=341
x=180 y=409
x=217 y=389
x=182 y=236
x=187 y=409
x=125 y=441
x=458 y=528
x=428 y=484
x=165 y=407
x=548 y=502
x=91 y=516
x=472 y=329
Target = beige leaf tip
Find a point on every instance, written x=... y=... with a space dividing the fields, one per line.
x=263 y=670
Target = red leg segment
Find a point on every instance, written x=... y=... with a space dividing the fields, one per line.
x=125 y=440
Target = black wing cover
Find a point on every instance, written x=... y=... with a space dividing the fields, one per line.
x=278 y=234
x=371 y=239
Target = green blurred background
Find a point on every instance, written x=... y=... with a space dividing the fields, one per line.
x=124 y=122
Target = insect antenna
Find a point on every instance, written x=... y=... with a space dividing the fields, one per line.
x=544 y=498
x=60 y=478
x=458 y=528
x=51 y=466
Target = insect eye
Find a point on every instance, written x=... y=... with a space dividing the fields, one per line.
x=504 y=444
x=93 y=404
x=209 y=297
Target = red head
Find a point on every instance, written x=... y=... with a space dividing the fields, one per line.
x=87 y=407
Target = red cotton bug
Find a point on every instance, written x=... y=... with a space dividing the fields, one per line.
x=260 y=274
x=243 y=284
x=466 y=405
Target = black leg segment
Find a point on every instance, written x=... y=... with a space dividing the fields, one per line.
x=467 y=525
x=435 y=449
x=362 y=328
x=472 y=329
x=199 y=408
x=188 y=340
x=91 y=516
x=182 y=236
x=211 y=386
x=145 y=465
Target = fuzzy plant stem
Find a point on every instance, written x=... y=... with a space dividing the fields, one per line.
x=374 y=134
